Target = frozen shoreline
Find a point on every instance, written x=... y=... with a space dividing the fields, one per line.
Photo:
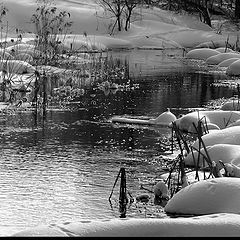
x=212 y=225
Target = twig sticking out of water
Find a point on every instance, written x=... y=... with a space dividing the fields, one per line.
x=123 y=200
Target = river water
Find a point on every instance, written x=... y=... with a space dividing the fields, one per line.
x=63 y=168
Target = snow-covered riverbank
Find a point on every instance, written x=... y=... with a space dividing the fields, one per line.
x=154 y=29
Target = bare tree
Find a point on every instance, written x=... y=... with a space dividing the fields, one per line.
x=198 y=6
x=130 y=5
x=115 y=7
x=204 y=12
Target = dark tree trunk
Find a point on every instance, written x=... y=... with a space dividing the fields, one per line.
x=206 y=16
x=127 y=23
x=202 y=8
x=119 y=23
x=237 y=9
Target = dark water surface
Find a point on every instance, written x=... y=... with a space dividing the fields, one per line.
x=64 y=168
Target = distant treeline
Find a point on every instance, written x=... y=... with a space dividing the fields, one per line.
x=205 y=8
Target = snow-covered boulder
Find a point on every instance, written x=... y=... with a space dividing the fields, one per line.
x=232 y=170
x=231 y=105
x=16 y=66
x=201 y=53
x=215 y=119
x=161 y=189
x=164 y=118
x=227 y=153
x=234 y=68
x=185 y=123
x=212 y=44
x=227 y=62
x=230 y=135
x=215 y=195
x=216 y=59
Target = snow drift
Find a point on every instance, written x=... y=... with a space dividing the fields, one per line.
x=216 y=195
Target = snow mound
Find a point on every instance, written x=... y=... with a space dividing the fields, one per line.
x=231 y=105
x=190 y=38
x=164 y=118
x=232 y=170
x=234 y=68
x=215 y=119
x=214 y=60
x=224 y=50
x=217 y=43
x=201 y=53
x=230 y=135
x=227 y=62
x=227 y=153
x=216 y=195
x=222 y=224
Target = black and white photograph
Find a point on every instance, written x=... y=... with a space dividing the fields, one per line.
x=120 y=118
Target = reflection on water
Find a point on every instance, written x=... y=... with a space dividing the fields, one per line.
x=64 y=168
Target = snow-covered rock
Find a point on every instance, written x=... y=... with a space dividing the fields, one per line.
x=230 y=135
x=164 y=118
x=232 y=170
x=215 y=195
x=234 y=68
x=227 y=153
x=221 y=43
x=227 y=62
x=201 y=53
x=215 y=119
x=231 y=105
x=161 y=189
x=216 y=59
